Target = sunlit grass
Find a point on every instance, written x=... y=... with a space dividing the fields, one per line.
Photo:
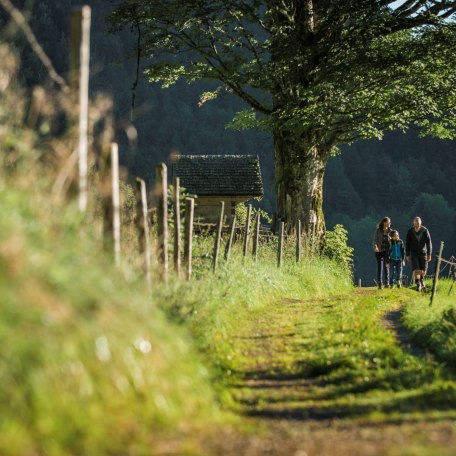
x=334 y=358
x=434 y=326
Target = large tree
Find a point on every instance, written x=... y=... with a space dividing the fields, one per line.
x=316 y=73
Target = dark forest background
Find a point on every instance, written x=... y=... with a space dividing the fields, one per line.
x=400 y=176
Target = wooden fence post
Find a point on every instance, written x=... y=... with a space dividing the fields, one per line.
x=280 y=247
x=162 y=218
x=177 y=226
x=298 y=240
x=247 y=230
x=79 y=84
x=218 y=236
x=231 y=238
x=452 y=268
x=256 y=237
x=189 y=211
x=142 y=226
x=111 y=202
x=437 y=270
x=115 y=200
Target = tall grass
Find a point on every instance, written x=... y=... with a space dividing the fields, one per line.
x=434 y=327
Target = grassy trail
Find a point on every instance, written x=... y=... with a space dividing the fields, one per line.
x=331 y=376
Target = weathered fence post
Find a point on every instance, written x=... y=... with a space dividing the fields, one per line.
x=189 y=211
x=218 y=236
x=111 y=202
x=230 y=238
x=437 y=270
x=115 y=200
x=177 y=226
x=256 y=237
x=280 y=247
x=452 y=268
x=298 y=240
x=142 y=226
x=247 y=230
x=79 y=84
x=162 y=218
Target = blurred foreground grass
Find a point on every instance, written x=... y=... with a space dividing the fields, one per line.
x=88 y=363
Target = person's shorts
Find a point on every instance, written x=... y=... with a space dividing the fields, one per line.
x=418 y=262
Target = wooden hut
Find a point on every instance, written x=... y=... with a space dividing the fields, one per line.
x=233 y=179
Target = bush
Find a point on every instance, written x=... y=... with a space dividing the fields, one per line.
x=336 y=248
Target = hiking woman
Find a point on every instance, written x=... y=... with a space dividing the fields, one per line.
x=381 y=249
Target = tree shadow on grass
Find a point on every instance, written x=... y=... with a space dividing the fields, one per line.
x=424 y=401
x=321 y=397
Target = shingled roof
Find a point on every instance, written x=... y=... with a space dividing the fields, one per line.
x=221 y=175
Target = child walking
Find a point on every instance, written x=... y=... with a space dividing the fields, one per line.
x=396 y=258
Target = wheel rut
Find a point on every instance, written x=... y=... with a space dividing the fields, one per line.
x=392 y=321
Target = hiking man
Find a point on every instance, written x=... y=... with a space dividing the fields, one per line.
x=418 y=248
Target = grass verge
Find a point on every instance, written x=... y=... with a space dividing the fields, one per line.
x=434 y=327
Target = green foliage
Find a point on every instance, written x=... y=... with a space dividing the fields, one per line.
x=241 y=213
x=434 y=327
x=335 y=246
x=263 y=214
x=379 y=68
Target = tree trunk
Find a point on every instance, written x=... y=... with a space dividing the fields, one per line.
x=299 y=169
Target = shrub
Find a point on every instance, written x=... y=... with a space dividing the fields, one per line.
x=336 y=248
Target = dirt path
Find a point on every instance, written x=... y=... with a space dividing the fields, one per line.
x=392 y=321
x=293 y=412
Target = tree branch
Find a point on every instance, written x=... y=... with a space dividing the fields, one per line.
x=20 y=21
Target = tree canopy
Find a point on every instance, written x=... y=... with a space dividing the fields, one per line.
x=350 y=68
x=317 y=73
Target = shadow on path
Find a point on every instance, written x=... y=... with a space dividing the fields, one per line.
x=392 y=320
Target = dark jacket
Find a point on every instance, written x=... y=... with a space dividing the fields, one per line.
x=418 y=243
x=392 y=249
